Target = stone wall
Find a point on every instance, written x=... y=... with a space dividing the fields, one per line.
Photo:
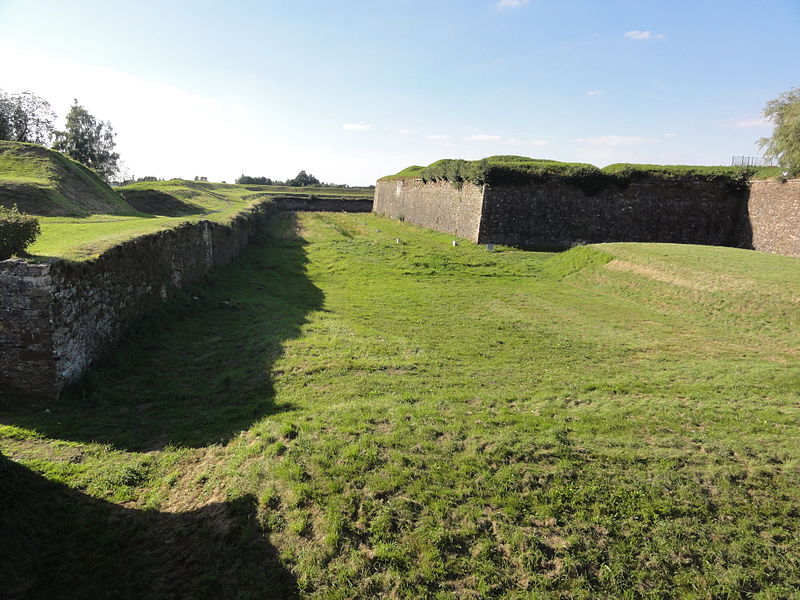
x=58 y=317
x=773 y=212
x=764 y=217
x=437 y=206
x=557 y=214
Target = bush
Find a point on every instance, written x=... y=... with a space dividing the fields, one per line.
x=17 y=232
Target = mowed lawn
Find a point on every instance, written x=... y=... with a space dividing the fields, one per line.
x=356 y=408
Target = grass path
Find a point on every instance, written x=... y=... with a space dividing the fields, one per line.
x=353 y=416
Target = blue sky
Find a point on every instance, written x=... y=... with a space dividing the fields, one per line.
x=353 y=90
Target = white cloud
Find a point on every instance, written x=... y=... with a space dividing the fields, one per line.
x=484 y=138
x=362 y=126
x=644 y=35
x=504 y=4
x=612 y=140
x=756 y=122
x=405 y=131
x=439 y=136
x=594 y=93
x=670 y=135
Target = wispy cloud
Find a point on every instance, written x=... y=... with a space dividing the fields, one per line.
x=670 y=135
x=362 y=126
x=505 y=4
x=405 y=131
x=644 y=35
x=613 y=140
x=439 y=136
x=594 y=93
x=484 y=138
x=755 y=122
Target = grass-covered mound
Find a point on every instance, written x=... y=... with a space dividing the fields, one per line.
x=417 y=420
x=44 y=182
x=520 y=170
x=161 y=205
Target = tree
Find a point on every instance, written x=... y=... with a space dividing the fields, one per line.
x=784 y=143
x=303 y=179
x=88 y=141
x=25 y=117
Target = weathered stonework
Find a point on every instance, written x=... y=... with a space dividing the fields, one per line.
x=558 y=214
x=773 y=212
x=58 y=317
x=437 y=205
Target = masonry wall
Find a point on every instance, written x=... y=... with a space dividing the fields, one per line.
x=437 y=205
x=773 y=214
x=57 y=317
x=557 y=214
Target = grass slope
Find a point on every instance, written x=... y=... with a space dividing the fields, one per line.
x=163 y=204
x=514 y=170
x=340 y=415
x=45 y=182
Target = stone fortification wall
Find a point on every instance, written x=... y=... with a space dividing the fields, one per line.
x=559 y=214
x=436 y=205
x=773 y=212
x=58 y=317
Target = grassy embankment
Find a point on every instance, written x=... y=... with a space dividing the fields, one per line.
x=81 y=216
x=338 y=415
x=511 y=169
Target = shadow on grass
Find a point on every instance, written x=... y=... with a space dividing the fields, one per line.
x=56 y=542
x=198 y=371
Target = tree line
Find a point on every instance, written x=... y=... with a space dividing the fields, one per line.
x=26 y=117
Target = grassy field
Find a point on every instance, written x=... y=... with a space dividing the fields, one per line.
x=88 y=236
x=355 y=408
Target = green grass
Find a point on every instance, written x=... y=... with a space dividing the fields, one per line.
x=339 y=415
x=45 y=182
x=88 y=237
x=517 y=170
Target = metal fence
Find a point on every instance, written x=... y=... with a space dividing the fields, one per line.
x=753 y=161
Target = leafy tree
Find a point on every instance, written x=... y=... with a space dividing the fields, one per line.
x=88 y=141
x=248 y=180
x=25 y=117
x=784 y=143
x=17 y=232
x=303 y=179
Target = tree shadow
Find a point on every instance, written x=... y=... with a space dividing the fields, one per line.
x=198 y=370
x=56 y=542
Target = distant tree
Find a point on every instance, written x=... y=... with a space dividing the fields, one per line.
x=784 y=143
x=88 y=141
x=248 y=180
x=197 y=178
x=303 y=179
x=25 y=117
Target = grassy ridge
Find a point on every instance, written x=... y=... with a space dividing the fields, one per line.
x=417 y=420
x=519 y=170
x=167 y=204
x=45 y=182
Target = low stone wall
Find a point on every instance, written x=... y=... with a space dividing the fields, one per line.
x=437 y=205
x=773 y=213
x=58 y=317
x=557 y=214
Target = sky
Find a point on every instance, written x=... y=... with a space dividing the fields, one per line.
x=353 y=90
